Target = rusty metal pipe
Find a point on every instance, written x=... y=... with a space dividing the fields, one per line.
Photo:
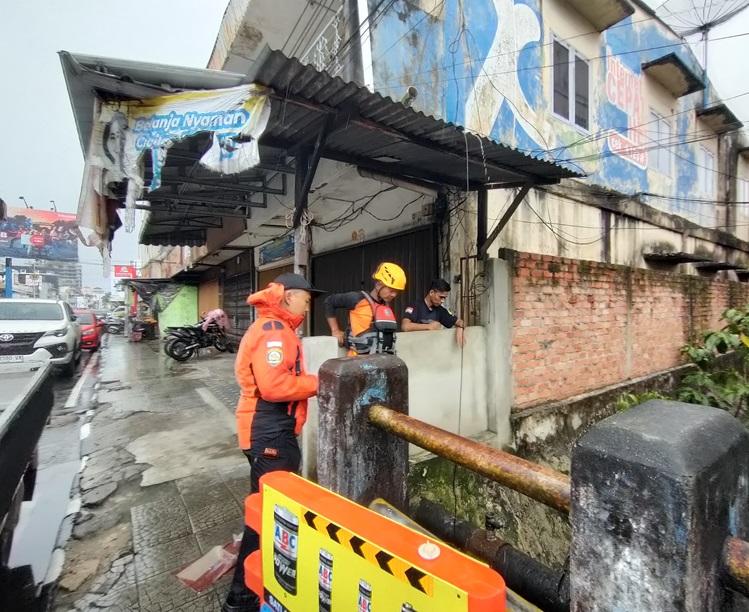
x=736 y=565
x=540 y=585
x=543 y=484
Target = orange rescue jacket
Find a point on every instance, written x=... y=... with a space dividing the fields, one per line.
x=270 y=364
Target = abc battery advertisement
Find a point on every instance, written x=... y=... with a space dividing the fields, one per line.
x=311 y=564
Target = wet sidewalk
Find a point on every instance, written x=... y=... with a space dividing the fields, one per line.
x=164 y=482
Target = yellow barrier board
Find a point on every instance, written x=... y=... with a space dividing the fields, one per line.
x=321 y=552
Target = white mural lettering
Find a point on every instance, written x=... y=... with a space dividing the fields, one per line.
x=624 y=90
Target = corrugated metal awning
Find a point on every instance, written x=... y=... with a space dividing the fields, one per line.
x=370 y=131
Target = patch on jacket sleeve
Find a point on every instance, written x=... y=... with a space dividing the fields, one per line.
x=274 y=356
x=409 y=310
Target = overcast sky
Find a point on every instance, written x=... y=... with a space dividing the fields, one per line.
x=40 y=156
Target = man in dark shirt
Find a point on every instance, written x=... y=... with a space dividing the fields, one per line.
x=430 y=314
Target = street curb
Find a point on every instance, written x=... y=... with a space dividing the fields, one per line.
x=84 y=399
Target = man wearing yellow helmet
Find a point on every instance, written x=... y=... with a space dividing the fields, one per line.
x=371 y=321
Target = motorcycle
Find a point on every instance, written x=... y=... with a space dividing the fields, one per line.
x=114 y=326
x=182 y=342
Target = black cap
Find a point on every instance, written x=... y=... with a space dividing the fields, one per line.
x=295 y=281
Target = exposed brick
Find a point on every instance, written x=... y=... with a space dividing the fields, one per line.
x=572 y=325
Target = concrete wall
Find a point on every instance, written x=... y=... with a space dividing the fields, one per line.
x=490 y=69
x=566 y=221
x=182 y=310
x=442 y=383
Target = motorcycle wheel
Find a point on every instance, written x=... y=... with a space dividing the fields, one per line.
x=168 y=345
x=221 y=343
x=113 y=329
x=179 y=350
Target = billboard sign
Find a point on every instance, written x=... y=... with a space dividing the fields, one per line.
x=38 y=234
x=124 y=272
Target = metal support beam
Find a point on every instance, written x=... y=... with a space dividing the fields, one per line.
x=306 y=166
x=198 y=222
x=186 y=156
x=421 y=142
x=238 y=187
x=220 y=202
x=505 y=218
x=202 y=210
x=399 y=169
x=483 y=219
x=543 y=484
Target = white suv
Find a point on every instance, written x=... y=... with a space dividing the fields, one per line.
x=39 y=330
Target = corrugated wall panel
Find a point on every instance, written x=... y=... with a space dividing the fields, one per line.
x=351 y=270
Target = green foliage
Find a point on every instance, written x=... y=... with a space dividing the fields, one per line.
x=630 y=400
x=711 y=384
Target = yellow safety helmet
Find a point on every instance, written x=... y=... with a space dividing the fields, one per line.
x=391 y=275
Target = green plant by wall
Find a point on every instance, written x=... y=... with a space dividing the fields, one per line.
x=630 y=400
x=718 y=385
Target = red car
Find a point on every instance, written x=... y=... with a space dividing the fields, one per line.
x=90 y=328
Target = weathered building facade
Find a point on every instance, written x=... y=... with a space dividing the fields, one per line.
x=579 y=284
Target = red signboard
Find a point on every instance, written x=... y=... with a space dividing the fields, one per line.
x=124 y=272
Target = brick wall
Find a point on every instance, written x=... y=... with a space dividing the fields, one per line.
x=583 y=325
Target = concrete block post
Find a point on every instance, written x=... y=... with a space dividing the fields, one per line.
x=354 y=458
x=655 y=492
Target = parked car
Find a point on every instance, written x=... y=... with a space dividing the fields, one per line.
x=33 y=331
x=91 y=329
x=119 y=313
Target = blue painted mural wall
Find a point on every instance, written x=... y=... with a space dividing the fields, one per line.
x=485 y=65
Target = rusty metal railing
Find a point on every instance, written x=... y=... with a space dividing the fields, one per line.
x=543 y=484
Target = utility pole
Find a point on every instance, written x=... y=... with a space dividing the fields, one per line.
x=8 y=277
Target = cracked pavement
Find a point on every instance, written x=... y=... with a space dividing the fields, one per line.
x=164 y=483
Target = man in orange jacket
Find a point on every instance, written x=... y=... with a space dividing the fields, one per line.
x=273 y=404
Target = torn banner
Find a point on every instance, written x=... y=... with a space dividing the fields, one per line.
x=124 y=131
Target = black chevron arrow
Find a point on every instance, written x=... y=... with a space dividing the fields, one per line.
x=333 y=530
x=383 y=560
x=310 y=517
x=414 y=577
x=356 y=544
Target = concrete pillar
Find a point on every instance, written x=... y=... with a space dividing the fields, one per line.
x=498 y=309
x=317 y=350
x=655 y=492
x=354 y=458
